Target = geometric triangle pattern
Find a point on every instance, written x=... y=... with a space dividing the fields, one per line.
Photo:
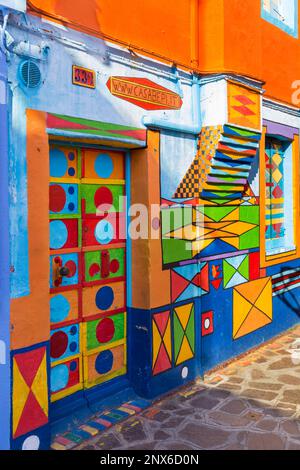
x=236 y=271
x=240 y=269
x=161 y=342
x=30 y=391
x=243 y=106
x=184 y=333
x=189 y=281
x=219 y=229
x=252 y=306
x=275 y=215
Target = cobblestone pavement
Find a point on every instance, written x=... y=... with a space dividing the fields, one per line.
x=252 y=403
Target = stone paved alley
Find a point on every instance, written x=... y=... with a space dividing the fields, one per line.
x=252 y=403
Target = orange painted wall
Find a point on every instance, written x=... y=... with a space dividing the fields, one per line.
x=151 y=285
x=30 y=315
x=256 y=47
x=155 y=25
x=232 y=36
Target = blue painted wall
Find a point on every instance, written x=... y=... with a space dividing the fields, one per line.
x=5 y=381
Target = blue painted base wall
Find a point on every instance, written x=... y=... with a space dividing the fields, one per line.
x=220 y=346
x=140 y=355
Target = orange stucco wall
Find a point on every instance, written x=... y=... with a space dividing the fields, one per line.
x=147 y=254
x=156 y=26
x=231 y=36
x=30 y=315
x=257 y=48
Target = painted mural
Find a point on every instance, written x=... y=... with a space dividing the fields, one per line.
x=213 y=163
x=213 y=242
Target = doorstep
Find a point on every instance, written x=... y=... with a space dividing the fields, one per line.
x=77 y=432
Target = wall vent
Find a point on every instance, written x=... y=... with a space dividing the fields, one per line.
x=30 y=74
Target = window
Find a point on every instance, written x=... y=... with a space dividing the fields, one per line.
x=282 y=13
x=279 y=218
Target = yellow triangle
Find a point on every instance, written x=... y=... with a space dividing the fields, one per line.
x=183 y=314
x=185 y=352
x=264 y=301
x=233 y=241
x=253 y=322
x=167 y=339
x=200 y=245
x=234 y=215
x=188 y=232
x=20 y=395
x=39 y=386
x=156 y=342
x=241 y=308
x=239 y=228
x=252 y=289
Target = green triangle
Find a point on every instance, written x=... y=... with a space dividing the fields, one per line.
x=190 y=330
x=217 y=213
x=228 y=272
x=243 y=269
x=178 y=335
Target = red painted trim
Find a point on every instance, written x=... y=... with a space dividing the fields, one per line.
x=103 y=281
x=96 y=316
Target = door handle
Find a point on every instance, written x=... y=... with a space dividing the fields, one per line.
x=64 y=271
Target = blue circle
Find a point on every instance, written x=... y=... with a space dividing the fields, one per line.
x=73 y=366
x=104 y=166
x=104 y=232
x=73 y=346
x=59 y=308
x=71 y=206
x=71 y=171
x=104 y=298
x=73 y=330
x=58 y=234
x=104 y=362
x=71 y=190
x=59 y=378
x=71 y=156
x=58 y=163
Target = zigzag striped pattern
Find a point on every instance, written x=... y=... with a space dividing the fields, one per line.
x=221 y=167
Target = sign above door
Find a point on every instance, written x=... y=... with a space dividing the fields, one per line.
x=144 y=93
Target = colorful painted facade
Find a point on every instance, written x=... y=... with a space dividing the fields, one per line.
x=97 y=129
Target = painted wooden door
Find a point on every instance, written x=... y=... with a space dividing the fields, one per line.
x=87 y=268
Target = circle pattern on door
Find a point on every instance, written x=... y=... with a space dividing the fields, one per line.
x=104 y=232
x=104 y=298
x=58 y=234
x=58 y=163
x=104 y=165
x=59 y=308
x=105 y=330
x=104 y=362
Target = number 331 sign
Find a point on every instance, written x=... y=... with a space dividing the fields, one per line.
x=84 y=77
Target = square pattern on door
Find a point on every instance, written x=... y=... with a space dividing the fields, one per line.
x=87 y=268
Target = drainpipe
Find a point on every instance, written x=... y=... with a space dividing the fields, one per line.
x=5 y=379
x=158 y=123
x=195 y=33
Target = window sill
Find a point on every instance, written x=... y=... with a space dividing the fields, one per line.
x=285 y=251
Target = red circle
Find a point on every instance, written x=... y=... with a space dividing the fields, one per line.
x=114 y=266
x=94 y=269
x=105 y=330
x=72 y=268
x=58 y=344
x=57 y=197
x=103 y=196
